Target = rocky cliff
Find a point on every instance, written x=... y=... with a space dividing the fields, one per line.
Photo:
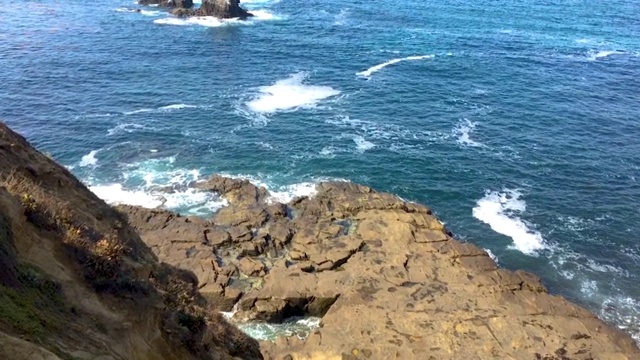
x=77 y=282
x=83 y=280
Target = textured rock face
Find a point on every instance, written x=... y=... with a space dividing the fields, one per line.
x=76 y=281
x=388 y=279
x=223 y=9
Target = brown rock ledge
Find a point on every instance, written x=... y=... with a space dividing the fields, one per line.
x=387 y=278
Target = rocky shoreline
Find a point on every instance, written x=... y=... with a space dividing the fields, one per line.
x=387 y=279
x=385 y=276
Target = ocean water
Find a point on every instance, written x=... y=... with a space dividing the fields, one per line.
x=517 y=122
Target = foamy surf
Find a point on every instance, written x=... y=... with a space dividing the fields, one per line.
x=373 y=69
x=463 y=131
x=211 y=21
x=89 y=159
x=289 y=94
x=500 y=211
x=362 y=144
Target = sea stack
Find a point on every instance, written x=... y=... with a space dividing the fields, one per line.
x=223 y=9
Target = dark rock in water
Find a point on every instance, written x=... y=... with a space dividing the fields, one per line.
x=183 y=4
x=223 y=9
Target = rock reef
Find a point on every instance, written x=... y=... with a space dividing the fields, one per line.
x=386 y=277
x=223 y=9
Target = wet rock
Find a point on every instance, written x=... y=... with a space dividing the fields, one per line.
x=223 y=9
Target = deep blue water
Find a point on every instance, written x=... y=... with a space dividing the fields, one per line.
x=518 y=123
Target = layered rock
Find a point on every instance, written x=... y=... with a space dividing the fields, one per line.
x=77 y=282
x=387 y=278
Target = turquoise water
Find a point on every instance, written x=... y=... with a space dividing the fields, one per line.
x=519 y=123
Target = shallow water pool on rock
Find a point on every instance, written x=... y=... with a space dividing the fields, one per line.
x=299 y=326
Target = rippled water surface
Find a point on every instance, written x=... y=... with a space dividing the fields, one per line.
x=519 y=123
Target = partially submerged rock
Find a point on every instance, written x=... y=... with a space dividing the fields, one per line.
x=387 y=278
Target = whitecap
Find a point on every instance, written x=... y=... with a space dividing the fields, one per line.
x=373 y=69
x=150 y=13
x=362 y=144
x=593 y=56
x=290 y=94
x=89 y=159
x=125 y=127
x=177 y=107
x=500 y=211
x=341 y=18
x=143 y=110
x=463 y=133
x=115 y=194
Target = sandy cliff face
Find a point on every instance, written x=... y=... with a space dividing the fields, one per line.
x=78 y=283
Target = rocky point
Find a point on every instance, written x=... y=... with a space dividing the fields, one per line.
x=386 y=277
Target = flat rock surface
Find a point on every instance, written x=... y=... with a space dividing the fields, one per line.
x=388 y=280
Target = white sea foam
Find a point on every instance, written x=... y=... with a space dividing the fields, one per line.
x=137 y=111
x=115 y=194
x=211 y=21
x=463 y=131
x=287 y=193
x=593 y=56
x=177 y=107
x=150 y=13
x=290 y=94
x=500 y=211
x=373 y=69
x=125 y=127
x=89 y=159
x=492 y=255
x=146 y=184
x=341 y=18
x=362 y=144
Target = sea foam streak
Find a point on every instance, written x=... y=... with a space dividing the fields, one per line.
x=177 y=107
x=290 y=93
x=500 y=211
x=373 y=69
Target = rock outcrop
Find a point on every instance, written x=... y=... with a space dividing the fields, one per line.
x=77 y=282
x=223 y=9
x=388 y=280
